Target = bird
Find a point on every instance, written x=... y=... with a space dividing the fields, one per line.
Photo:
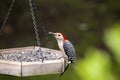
x=66 y=47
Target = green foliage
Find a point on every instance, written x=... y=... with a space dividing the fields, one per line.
x=112 y=40
x=95 y=66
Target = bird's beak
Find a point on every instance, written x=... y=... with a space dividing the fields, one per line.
x=51 y=33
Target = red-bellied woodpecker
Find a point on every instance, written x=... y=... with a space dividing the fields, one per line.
x=66 y=47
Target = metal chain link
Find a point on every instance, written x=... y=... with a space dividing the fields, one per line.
x=35 y=27
x=6 y=17
x=42 y=24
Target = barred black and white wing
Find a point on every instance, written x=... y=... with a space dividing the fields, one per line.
x=69 y=51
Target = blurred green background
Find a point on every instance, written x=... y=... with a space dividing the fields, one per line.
x=93 y=26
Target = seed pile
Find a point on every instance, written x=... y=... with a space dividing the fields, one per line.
x=30 y=56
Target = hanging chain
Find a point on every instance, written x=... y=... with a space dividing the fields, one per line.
x=42 y=24
x=35 y=27
x=6 y=17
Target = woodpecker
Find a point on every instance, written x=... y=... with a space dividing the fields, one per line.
x=66 y=47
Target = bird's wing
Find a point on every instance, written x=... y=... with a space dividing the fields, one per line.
x=69 y=51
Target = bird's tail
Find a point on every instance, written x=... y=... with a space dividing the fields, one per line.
x=64 y=70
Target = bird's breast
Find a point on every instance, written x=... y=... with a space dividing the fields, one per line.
x=60 y=45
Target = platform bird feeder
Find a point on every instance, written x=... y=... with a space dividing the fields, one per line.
x=26 y=61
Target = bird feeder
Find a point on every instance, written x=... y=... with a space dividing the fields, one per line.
x=24 y=61
x=28 y=61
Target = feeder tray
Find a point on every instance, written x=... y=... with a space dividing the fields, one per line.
x=26 y=61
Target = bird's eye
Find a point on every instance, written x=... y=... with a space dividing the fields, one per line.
x=59 y=35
